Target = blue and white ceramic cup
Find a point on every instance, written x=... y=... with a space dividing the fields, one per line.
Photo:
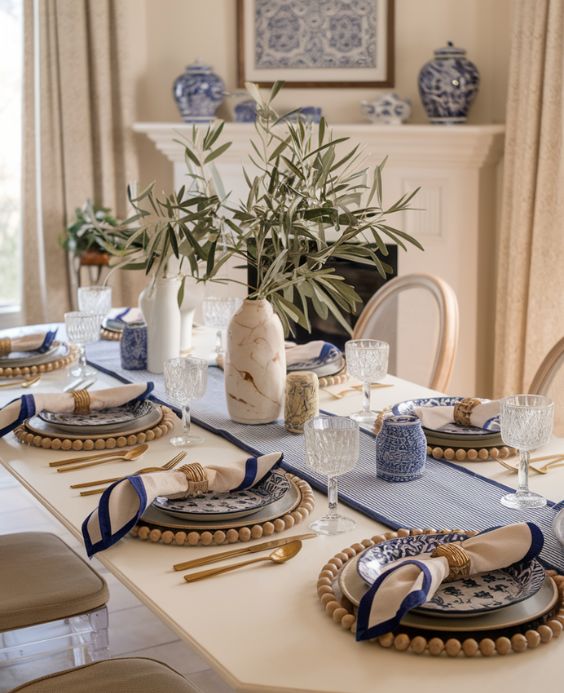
x=401 y=449
x=133 y=347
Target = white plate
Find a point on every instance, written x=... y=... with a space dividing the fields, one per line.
x=20 y=359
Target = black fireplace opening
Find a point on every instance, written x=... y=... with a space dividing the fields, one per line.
x=365 y=279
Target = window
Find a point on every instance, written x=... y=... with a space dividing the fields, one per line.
x=11 y=68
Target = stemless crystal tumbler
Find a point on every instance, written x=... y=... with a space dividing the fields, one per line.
x=526 y=424
x=96 y=300
x=367 y=360
x=82 y=329
x=331 y=446
x=218 y=311
x=186 y=378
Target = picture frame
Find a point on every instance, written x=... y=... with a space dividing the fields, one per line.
x=316 y=43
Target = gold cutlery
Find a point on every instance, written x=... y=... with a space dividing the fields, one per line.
x=146 y=470
x=355 y=388
x=95 y=456
x=280 y=555
x=234 y=553
x=28 y=382
x=543 y=469
x=126 y=457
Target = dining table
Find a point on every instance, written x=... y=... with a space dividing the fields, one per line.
x=263 y=628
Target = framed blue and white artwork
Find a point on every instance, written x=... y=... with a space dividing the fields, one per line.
x=316 y=43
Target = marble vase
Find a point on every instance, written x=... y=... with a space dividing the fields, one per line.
x=159 y=305
x=255 y=364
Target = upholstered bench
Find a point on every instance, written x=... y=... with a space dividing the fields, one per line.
x=128 y=675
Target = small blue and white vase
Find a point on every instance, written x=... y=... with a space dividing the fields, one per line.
x=448 y=85
x=133 y=347
x=387 y=109
x=198 y=93
x=246 y=111
x=401 y=449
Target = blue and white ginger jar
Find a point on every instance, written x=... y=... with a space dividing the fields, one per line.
x=198 y=93
x=246 y=111
x=401 y=449
x=387 y=109
x=448 y=85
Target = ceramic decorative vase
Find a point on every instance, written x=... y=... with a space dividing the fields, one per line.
x=448 y=85
x=133 y=347
x=387 y=109
x=159 y=305
x=255 y=364
x=245 y=112
x=302 y=400
x=401 y=449
x=198 y=93
x=193 y=297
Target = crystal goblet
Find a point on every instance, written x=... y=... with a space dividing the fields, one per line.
x=218 y=311
x=331 y=446
x=186 y=378
x=526 y=423
x=96 y=300
x=82 y=329
x=367 y=360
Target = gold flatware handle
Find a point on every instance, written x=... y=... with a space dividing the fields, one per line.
x=22 y=383
x=511 y=468
x=89 y=464
x=99 y=482
x=94 y=491
x=549 y=465
x=234 y=553
x=555 y=457
x=202 y=574
x=85 y=458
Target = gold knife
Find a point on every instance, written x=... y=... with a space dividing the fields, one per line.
x=264 y=546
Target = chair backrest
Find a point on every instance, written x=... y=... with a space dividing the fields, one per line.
x=447 y=304
x=546 y=372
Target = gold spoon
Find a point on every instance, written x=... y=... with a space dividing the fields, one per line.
x=539 y=470
x=130 y=455
x=28 y=382
x=280 y=555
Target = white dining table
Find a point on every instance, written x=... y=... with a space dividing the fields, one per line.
x=263 y=628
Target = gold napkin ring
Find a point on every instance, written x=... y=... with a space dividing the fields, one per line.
x=5 y=346
x=463 y=410
x=458 y=560
x=197 y=478
x=81 y=401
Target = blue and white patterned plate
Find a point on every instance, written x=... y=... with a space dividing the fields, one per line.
x=480 y=593
x=409 y=406
x=113 y=416
x=212 y=507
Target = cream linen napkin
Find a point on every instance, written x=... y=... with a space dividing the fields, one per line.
x=484 y=415
x=14 y=413
x=37 y=341
x=122 y=504
x=410 y=582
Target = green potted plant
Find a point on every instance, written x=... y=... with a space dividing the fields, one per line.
x=81 y=237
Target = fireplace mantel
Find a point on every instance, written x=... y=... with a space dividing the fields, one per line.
x=457 y=170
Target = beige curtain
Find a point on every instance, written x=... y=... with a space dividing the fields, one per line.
x=530 y=286
x=78 y=107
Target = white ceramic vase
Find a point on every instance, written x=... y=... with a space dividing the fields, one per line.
x=159 y=304
x=255 y=364
x=193 y=297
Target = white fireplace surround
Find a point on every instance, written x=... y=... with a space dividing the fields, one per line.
x=457 y=169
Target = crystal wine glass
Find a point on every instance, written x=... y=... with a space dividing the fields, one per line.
x=82 y=329
x=526 y=423
x=186 y=378
x=96 y=300
x=218 y=311
x=331 y=446
x=367 y=360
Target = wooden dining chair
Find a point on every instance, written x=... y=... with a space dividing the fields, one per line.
x=366 y=326
x=548 y=369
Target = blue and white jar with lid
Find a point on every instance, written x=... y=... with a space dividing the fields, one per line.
x=198 y=93
x=448 y=85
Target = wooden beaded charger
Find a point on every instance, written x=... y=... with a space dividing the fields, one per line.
x=238 y=532
x=110 y=335
x=47 y=367
x=439 y=452
x=97 y=442
x=342 y=611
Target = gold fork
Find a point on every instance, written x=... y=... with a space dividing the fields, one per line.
x=28 y=382
x=146 y=470
x=354 y=388
x=555 y=460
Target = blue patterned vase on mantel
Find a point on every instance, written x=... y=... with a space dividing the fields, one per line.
x=401 y=449
x=198 y=93
x=448 y=85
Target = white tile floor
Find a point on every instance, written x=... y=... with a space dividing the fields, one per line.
x=135 y=631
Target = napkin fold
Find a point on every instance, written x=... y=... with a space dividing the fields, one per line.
x=22 y=408
x=318 y=356
x=36 y=341
x=122 y=504
x=484 y=415
x=410 y=582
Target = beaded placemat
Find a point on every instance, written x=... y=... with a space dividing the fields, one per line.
x=99 y=442
x=54 y=365
x=110 y=335
x=340 y=609
x=155 y=532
